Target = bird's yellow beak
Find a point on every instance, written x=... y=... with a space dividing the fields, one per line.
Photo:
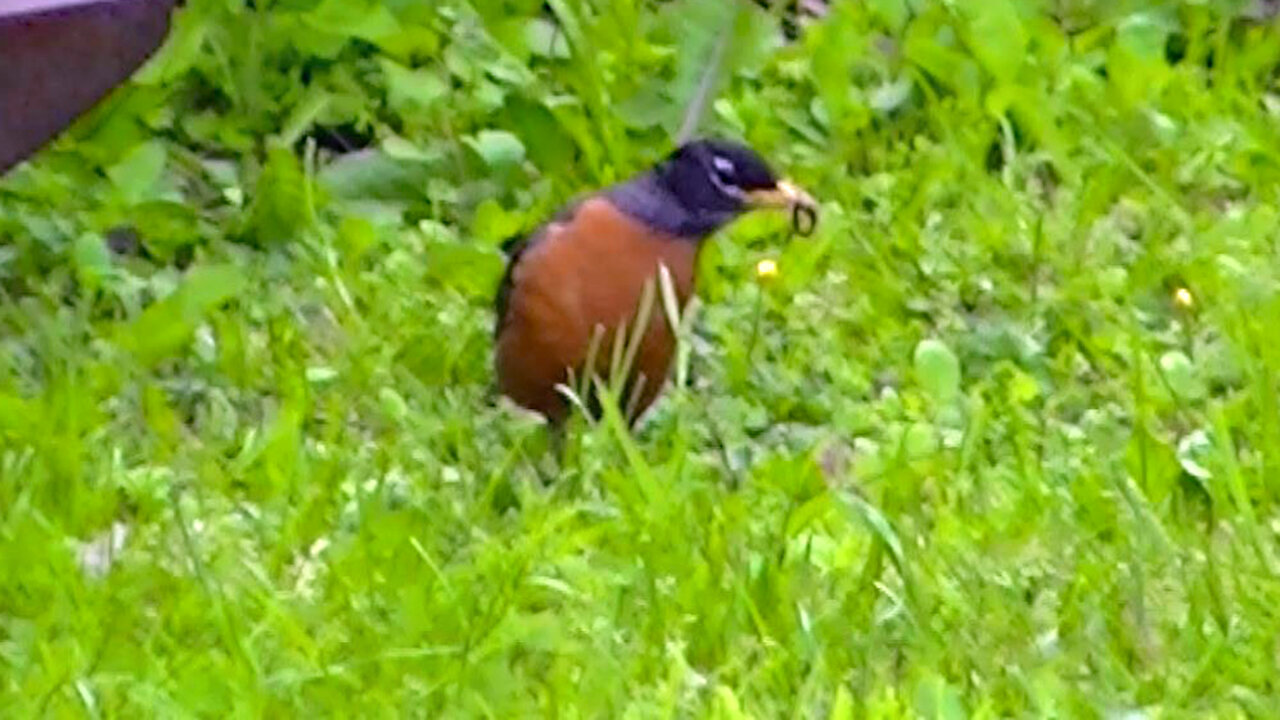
x=783 y=195
x=787 y=196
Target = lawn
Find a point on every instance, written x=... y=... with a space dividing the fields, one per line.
x=1001 y=439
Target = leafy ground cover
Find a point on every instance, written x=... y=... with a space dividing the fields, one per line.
x=1001 y=439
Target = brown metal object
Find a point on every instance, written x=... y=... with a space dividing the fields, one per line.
x=59 y=58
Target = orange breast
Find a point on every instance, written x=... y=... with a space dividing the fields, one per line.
x=589 y=271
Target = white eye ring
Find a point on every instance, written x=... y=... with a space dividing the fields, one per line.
x=723 y=176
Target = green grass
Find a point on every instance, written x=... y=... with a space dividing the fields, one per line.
x=965 y=456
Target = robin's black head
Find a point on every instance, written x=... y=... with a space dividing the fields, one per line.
x=716 y=175
x=706 y=184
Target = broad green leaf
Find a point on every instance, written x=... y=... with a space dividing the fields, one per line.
x=996 y=36
x=649 y=107
x=549 y=143
x=356 y=235
x=893 y=13
x=398 y=148
x=364 y=19
x=393 y=403
x=92 y=260
x=374 y=175
x=937 y=370
x=165 y=327
x=471 y=269
x=280 y=212
x=937 y=700
x=138 y=173
x=1022 y=388
x=1136 y=65
x=920 y=440
x=543 y=38
x=492 y=224
x=411 y=90
x=165 y=226
x=498 y=148
x=305 y=116
x=182 y=47
x=1180 y=374
x=943 y=61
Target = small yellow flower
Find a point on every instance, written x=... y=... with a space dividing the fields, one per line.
x=1182 y=297
x=766 y=269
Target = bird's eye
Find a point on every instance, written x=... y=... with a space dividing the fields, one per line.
x=724 y=169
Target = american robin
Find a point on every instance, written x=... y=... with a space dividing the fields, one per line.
x=585 y=271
